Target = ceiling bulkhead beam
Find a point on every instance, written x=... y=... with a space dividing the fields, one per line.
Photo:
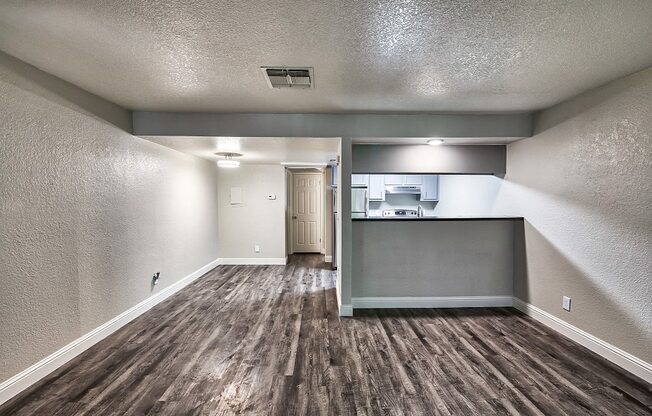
x=146 y=123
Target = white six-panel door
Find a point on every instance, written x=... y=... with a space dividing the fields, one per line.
x=306 y=212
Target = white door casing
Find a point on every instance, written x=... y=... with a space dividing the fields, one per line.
x=306 y=212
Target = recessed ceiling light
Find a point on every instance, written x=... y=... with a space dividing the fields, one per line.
x=435 y=142
x=228 y=161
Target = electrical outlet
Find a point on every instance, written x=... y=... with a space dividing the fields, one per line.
x=256 y=248
x=566 y=303
x=155 y=278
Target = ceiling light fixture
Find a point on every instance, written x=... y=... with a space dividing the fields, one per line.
x=435 y=142
x=228 y=161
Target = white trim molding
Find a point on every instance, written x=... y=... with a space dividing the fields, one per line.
x=255 y=261
x=36 y=372
x=614 y=354
x=431 y=302
x=346 y=309
x=328 y=259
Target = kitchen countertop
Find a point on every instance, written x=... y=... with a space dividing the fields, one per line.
x=443 y=218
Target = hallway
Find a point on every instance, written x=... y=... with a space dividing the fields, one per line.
x=267 y=340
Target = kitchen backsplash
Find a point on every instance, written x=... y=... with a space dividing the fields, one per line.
x=376 y=208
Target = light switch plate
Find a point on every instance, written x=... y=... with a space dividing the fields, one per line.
x=566 y=303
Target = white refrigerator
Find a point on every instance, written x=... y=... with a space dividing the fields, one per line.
x=359 y=203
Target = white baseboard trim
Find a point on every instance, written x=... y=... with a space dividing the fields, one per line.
x=328 y=259
x=36 y=372
x=346 y=309
x=614 y=354
x=254 y=261
x=431 y=302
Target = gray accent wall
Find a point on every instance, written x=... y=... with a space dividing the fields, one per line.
x=331 y=125
x=345 y=227
x=88 y=213
x=584 y=185
x=467 y=159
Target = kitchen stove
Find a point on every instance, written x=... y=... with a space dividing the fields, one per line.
x=400 y=213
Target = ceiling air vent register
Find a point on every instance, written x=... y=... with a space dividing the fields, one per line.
x=286 y=77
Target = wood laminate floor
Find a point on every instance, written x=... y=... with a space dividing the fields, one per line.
x=260 y=340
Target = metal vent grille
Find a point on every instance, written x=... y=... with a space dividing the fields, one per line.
x=286 y=77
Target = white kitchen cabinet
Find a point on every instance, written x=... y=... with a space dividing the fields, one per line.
x=412 y=180
x=403 y=179
x=359 y=180
x=376 y=187
x=430 y=188
x=394 y=179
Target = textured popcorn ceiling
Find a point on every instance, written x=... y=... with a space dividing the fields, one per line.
x=368 y=55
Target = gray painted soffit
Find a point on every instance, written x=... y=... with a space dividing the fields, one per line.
x=331 y=125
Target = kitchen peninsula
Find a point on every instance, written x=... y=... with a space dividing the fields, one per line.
x=434 y=262
x=430 y=237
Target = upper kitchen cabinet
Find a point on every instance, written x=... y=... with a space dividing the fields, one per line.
x=394 y=179
x=403 y=179
x=430 y=188
x=412 y=180
x=376 y=187
x=359 y=180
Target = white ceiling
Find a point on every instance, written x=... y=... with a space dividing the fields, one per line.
x=368 y=55
x=256 y=150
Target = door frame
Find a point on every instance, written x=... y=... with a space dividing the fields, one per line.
x=289 y=230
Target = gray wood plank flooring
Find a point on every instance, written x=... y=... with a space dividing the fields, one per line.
x=259 y=340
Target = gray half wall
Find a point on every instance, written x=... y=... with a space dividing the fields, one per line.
x=433 y=258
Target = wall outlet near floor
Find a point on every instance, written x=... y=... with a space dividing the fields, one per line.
x=566 y=303
x=155 y=278
x=256 y=249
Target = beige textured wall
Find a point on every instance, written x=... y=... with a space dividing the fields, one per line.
x=87 y=213
x=256 y=221
x=584 y=185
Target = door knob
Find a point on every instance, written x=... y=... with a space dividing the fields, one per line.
x=294 y=217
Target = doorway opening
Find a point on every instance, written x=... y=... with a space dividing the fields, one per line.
x=310 y=214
